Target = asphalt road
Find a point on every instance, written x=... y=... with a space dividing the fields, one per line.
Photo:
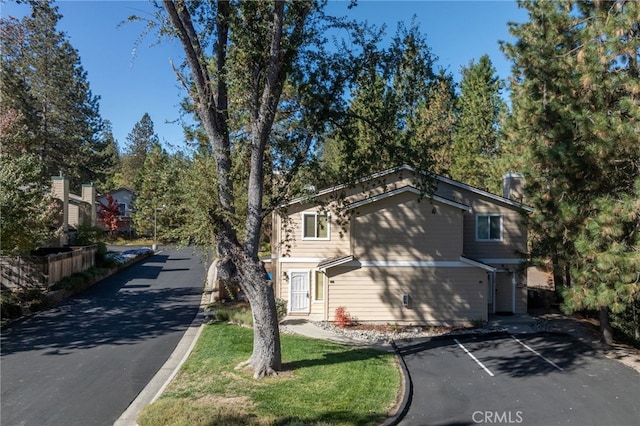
x=83 y=362
x=537 y=379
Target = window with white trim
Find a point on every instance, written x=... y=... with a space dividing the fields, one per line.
x=489 y=227
x=315 y=226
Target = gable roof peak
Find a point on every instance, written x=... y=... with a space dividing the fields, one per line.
x=405 y=167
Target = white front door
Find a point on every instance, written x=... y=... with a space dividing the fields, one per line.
x=299 y=291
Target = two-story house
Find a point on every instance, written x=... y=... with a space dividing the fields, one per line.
x=388 y=254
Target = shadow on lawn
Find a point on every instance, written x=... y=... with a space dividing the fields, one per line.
x=351 y=355
x=333 y=417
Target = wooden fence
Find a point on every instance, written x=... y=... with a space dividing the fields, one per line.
x=44 y=271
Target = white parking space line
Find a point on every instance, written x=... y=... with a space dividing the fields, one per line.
x=474 y=358
x=537 y=353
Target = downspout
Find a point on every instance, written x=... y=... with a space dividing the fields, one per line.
x=513 y=292
x=325 y=314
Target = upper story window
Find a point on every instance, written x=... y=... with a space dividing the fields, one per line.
x=122 y=208
x=315 y=226
x=489 y=227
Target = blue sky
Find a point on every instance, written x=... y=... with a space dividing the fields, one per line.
x=131 y=81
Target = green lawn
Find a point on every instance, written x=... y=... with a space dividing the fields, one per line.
x=322 y=384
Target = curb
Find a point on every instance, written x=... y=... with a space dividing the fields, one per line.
x=159 y=382
x=156 y=386
x=407 y=391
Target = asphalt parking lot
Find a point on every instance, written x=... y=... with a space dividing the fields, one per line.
x=527 y=379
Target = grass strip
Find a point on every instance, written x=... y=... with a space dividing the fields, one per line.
x=322 y=384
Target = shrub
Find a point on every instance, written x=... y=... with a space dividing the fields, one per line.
x=343 y=318
x=88 y=235
x=281 y=308
x=626 y=324
x=80 y=280
x=9 y=303
x=242 y=316
x=234 y=312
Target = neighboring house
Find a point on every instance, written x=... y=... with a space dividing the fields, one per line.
x=394 y=256
x=124 y=198
x=75 y=209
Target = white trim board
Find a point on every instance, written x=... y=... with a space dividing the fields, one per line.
x=390 y=263
x=505 y=261
x=300 y=259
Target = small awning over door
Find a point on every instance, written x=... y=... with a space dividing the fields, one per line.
x=334 y=261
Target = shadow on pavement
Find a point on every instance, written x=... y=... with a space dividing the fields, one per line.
x=564 y=350
x=110 y=312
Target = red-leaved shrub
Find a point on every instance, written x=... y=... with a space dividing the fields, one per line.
x=343 y=318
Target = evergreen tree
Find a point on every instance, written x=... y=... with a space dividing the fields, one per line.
x=108 y=162
x=575 y=107
x=140 y=141
x=378 y=129
x=540 y=84
x=27 y=210
x=605 y=272
x=370 y=138
x=411 y=67
x=160 y=202
x=477 y=134
x=435 y=122
x=45 y=81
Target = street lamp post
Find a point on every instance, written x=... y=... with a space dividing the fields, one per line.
x=155 y=227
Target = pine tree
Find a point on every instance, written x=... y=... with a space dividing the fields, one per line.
x=477 y=136
x=47 y=84
x=140 y=141
x=575 y=107
x=411 y=72
x=435 y=122
x=27 y=210
x=370 y=139
x=605 y=272
x=378 y=129
x=107 y=160
x=157 y=186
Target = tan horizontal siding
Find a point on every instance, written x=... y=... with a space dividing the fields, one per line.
x=403 y=228
x=338 y=243
x=514 y=236
x=437 y=295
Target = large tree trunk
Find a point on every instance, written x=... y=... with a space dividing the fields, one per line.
x=606 y=332
x=266 y=358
